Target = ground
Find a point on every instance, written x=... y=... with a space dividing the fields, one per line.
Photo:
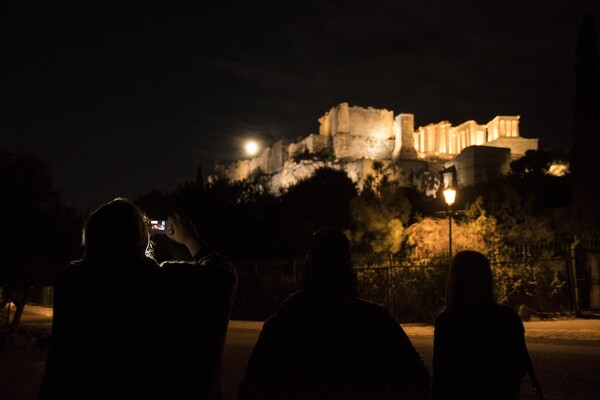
x=565 y=353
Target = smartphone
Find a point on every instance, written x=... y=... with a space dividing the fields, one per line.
x=158 y=226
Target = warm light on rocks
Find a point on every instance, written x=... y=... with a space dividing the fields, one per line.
x=558 y=169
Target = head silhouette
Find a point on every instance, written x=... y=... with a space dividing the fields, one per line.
x=470 y=283
x=328 y=264
x=118 y=229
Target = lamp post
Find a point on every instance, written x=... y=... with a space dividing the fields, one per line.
x=450 y=196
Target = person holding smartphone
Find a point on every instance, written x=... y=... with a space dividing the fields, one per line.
x=125 y=327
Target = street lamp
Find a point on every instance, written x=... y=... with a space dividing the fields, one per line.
x=450 y=196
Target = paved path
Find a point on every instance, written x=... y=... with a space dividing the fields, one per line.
x=566 y=355
x=587 y=330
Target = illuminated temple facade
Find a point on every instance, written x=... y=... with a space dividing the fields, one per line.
x=353 y=137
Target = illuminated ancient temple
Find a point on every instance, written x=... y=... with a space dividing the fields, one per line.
x=355 y=136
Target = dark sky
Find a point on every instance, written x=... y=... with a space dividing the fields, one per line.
x=124 y=97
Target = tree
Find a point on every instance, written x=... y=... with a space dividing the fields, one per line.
x=533 y=163
x=380 y=212
x=428 y=238
x=586 y=135
x=321 y=201
x=40 y=232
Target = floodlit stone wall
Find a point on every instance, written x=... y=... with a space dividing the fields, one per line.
x=480 y=164
x=359 y=132
x=277 y=156
x=311 y=144
x=517 y=145
x=336 y=120
x=371 y=122
x=404 y=128
x=348 y=147
x=261 y=161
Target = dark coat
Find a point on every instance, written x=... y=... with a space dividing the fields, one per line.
x=479 y=355
x=314 y=348
x=137 y=330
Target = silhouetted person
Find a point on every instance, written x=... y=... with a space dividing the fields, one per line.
x=324 y=342
x=479 y=346
x=122 y=326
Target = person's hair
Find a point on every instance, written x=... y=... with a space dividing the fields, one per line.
x=118 y=229
x=328 y=264
x=470 y=283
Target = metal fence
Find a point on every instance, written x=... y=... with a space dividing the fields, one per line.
x=533 y=277
x=529 y=277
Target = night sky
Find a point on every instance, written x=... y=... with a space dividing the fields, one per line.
x=124 y=97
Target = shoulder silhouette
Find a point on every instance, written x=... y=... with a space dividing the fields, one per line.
x=479 y=346
x=324 y=342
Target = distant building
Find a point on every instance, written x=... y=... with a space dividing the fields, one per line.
x=351 y=138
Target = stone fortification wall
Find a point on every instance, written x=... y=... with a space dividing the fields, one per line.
x=371 y=122
x=261 y=161
x=311 y=144
x=404 y=129
x=278 y=155
x=336 y=120
x=477 y=164
x=272 y=159
x=517 y=145
x=359 y=132
x=348 y=147
x=268 y=160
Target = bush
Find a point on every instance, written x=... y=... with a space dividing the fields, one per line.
x=534 y=286
x=410 y=292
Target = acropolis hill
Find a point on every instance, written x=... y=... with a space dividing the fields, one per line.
x=351 y=138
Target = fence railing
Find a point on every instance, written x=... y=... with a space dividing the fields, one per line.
x=538 y=276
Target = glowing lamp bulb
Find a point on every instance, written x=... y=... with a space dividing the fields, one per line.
x=252 y=148
x=449 y=195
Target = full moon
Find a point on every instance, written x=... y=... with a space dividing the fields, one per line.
x=252 y=148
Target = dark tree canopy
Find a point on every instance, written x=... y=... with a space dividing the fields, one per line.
x=321 y=201
x=585 y=163
x=40 y=233
x=534 y=162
